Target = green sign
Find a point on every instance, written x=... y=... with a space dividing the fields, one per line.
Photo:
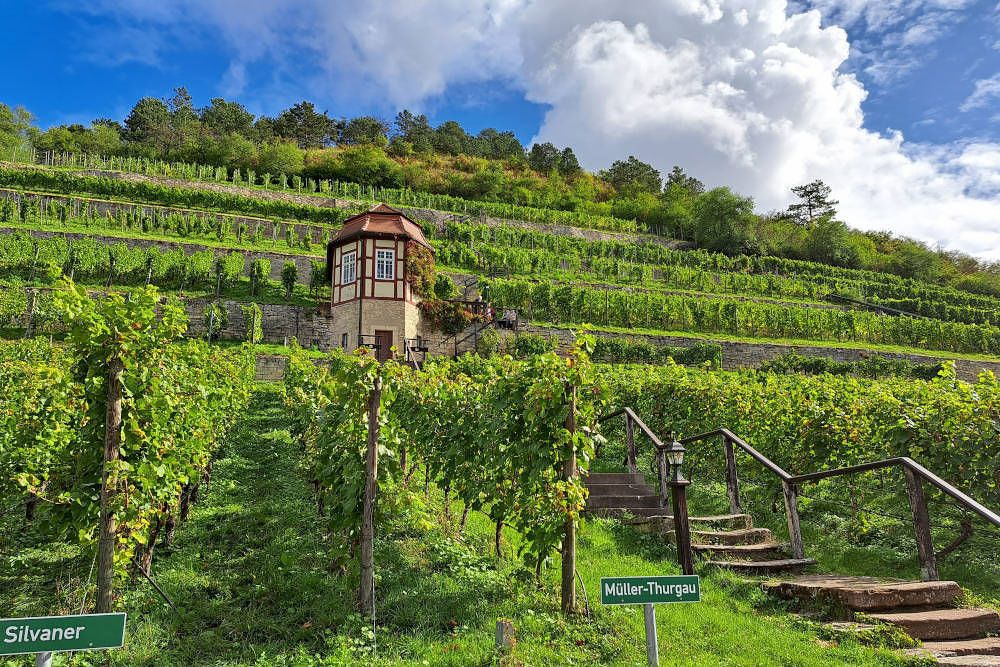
x=650 y=590
x=61 y=633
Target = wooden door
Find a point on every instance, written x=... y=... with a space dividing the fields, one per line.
x=383 y=339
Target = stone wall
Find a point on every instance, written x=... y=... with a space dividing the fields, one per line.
x=736 y=355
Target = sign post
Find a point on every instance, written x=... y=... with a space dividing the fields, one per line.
x=45 y=635
x=649 y=591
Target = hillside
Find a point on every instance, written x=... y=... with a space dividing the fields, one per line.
x=243 y=500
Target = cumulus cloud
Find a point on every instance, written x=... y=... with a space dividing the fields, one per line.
x=754 y=94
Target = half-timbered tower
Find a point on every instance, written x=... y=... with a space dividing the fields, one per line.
x=372 y=303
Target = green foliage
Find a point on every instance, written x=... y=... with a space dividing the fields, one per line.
x=633 y=176
x=420 y=271
x=444 y=287
x=289 y=274
x=448 y=317
x=874 y=367
x=634 y=351
x=52 y=429
x=260 y=274
x=669 y=312
x=807 y=423
x=252 y=319
x=494 y=432
x=215 y=317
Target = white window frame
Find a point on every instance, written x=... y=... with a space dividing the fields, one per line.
x=385 y=258
x=348 y=276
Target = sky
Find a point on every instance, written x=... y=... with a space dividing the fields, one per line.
x=894 y=103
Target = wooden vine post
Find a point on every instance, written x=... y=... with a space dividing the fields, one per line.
x=112 y=448
x=569 y=537
x=366 y=589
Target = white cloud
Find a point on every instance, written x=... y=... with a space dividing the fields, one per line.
x=891 y=37
x=983 y=93
x=745 y=93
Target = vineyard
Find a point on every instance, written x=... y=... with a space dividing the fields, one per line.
x=122 y=386
x=392 y=512
x=347 y=190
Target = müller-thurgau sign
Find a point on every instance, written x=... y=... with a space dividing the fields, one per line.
x=40 y=634
x=650 y=590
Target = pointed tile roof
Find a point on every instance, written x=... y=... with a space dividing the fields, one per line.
x=381 y=219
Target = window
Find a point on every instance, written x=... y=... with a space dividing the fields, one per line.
x=385 y=264
x=348 y=268
x=343 y=341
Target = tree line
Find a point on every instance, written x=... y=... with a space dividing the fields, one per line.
x=492 y=166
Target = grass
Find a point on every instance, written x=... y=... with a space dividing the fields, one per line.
x=256 y=582
x=795 y=342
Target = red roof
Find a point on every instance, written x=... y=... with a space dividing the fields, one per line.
x=380 y=219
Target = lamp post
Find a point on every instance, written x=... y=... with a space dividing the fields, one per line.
x=678 y=494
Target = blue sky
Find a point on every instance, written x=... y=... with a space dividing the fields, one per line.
x=81 y=74
x=756 y=94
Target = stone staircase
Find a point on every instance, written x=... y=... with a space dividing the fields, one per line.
x=925 y=610
x=727 y=540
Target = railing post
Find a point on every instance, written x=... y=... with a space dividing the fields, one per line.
x=732 y=480
x=630 y=444
x=662 y=473
x=792 y=515
x=921 y=525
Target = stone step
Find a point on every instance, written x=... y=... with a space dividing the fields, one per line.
x=628 y=502
x=657 y=521
x=868 y=593
x=943 y=623
x=987 y=646
x=739 y=536
x=614 y=478
x=763 y=568
x=971 y=660
x=620 y=490
x=765 y=551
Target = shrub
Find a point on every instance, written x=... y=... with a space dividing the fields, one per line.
x=447 y=316
x=445 y=287
x=420 y=271
x=252 y=321
x=216 y=317
x=289 y=273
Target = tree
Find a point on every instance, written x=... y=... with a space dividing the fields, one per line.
x=498 y=145
x=815 y=202
x=147 y=122
x=543 y=158
x=414 y=129
x=305 y=125
x=722 y=221
x=631 y=176
x=689 y=183
x=450 y=138
x=568 y=164
x=366 y=130
x=221 y=117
